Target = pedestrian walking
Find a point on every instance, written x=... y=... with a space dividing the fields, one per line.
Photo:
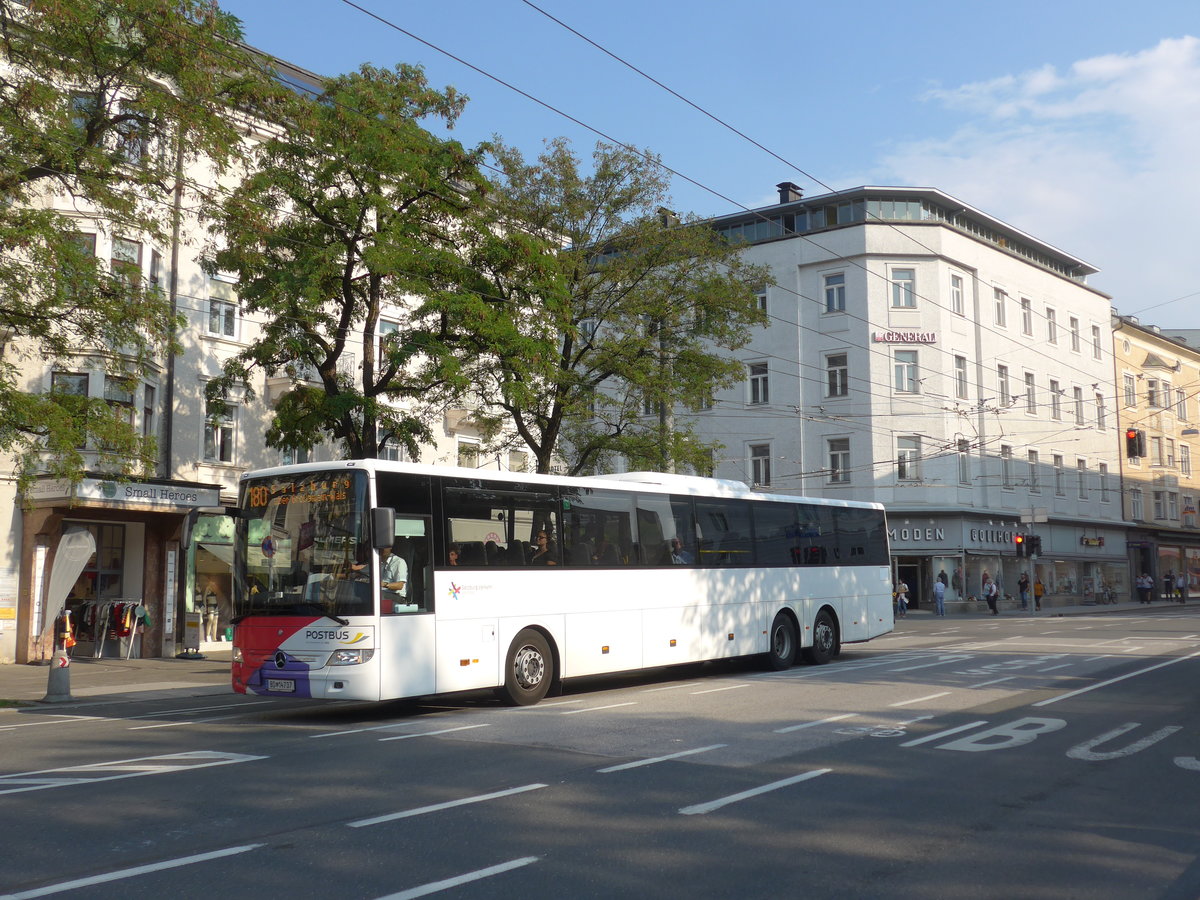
x=1023 y=589
x=1180 y=587
x=939 y=596
x=1039 y=591
x=991 y=593
x=901 y=599
x=1145 y=584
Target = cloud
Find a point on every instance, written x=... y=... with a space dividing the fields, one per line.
x=1099 y=160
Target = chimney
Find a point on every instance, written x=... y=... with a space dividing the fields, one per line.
x=788 y=192
x=668 y=218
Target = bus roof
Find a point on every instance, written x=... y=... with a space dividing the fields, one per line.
x=647 y=482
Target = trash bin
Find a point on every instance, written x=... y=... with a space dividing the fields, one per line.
x=229 y=634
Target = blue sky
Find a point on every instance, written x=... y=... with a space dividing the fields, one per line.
x=1075 y=121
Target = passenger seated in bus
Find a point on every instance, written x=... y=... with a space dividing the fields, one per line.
x=679 y=554
x=452 y=555
x=491 y=553
x=605 y=553
x=546 y=553
x=472 y=554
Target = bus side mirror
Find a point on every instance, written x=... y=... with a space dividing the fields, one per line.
x=383 y=527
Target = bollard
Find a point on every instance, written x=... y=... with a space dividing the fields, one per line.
x=58 y=684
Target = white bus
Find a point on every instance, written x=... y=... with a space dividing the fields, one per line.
x=515 y=582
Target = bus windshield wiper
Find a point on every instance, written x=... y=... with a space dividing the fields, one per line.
x=316 y=607
x=293 y=609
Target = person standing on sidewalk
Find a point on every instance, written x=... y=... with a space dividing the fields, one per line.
x=939 y=596
x=1039 y=591
x=901 y=599
x=991 y=594
x=1023 y=589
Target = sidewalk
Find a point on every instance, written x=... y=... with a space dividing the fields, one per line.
x=966 y=609
x=115 y=680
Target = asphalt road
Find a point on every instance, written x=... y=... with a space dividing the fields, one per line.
x=1010 y=757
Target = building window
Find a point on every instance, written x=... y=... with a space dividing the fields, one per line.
x=839 y=460
x=1002 y=385
x=1185 y=459
x=1077 y=394
x=759 y=392
x=126 y=262
x=760 y=464
x=837 y=373
x=1006 y=472
x=1136 y=511
x=1160 y=504
x=762 y=300
x=1058 y=476
x=222 y=309
x=149 y=425
x=964 y=461
x=1130 y=391
x=835 y=292
x=1170 y=447
x=219 y=433
x=649 y=406
x=1164 y=395
x=119 y=397
x=1172 y=505
x=908 y=458
x=957 y=305
x=1181 y=404
x=1074 y=334
x=294 y=455
x=1081 y=475
x=1001 y=299
x=103 y=576
x=906 y=380
x=468 y=455
x=1026 y=316
x=1152 y=392
x=1051 y=326
x=1035 y=484
x=518 y=461
x=1189 y=511
x=1055 y=400
x=904 y=288
x=1097 y=350
x=1156 y=451
x=73 y=384
x=1103 y=475
x=1101 y=412
x=960 y=377
x=388 y=333
x=1030 y=394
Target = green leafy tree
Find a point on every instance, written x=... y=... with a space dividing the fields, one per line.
x=364 y=245
x=104 y=104
x=635 y=313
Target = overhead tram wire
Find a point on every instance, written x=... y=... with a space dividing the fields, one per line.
x=674 y=172
x=550 y=107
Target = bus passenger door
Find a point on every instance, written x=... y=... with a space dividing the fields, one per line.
x=406 y=623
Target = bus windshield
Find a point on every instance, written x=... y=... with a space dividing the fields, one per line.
x=303 y=539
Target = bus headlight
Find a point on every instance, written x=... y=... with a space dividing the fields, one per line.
x=350 y=657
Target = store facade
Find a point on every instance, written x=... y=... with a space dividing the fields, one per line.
x=1078 y=564
x=128 y=599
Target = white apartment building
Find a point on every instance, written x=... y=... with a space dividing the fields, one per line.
x=162 y=540
x=926 y=355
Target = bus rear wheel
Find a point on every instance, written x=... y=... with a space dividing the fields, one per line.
x=825 y=640
x=781 y=652
x=528 y=669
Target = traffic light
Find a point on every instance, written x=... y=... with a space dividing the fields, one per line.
x=1022 y=543
x=1033 y=545
x=1135 y=443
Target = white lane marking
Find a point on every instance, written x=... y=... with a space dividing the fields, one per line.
x=129 y=873
x=658 y=759
x=993 y=681
x=1096 y=658
x=1059 y=666
x=673 y=687
x=572 y=712
x=542 y=706
x=126 y=768
x=829 y=670
x=359 y=730
x=792 y=728
x=702 y=808
x=196 y=709
x=919 y=699
x=434 y=887
x=941 y=662
x=438 y=807
x=941 y=734
x=404 y=737
x=60 y=720
x=1131 y=649
x=732 y=687
x=185 y=722
x=908 y=722
x=1087 y=750
x=1104 y=684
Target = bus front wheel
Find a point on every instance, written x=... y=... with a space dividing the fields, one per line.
x=825 y=640
x=528 y=669
x=781 y=653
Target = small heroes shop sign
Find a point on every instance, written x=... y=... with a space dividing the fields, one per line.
x=132 y=493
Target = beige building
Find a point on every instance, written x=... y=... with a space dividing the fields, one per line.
x=1158 y=409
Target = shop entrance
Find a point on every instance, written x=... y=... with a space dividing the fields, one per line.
x=909 y=570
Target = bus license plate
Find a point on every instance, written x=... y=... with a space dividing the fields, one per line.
x=282 y=685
